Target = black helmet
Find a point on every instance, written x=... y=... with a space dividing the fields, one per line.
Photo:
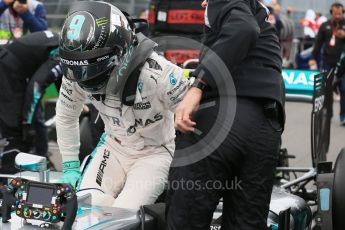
x=94 y=39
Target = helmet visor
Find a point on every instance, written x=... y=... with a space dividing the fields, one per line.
x=82 y=71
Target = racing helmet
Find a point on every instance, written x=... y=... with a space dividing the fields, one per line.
x=94 y=39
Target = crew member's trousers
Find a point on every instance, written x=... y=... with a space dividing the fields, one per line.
x=241 y=170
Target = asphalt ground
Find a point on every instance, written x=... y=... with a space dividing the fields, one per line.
x=297 y=137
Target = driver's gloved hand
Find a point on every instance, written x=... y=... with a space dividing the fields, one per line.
x=71 y=173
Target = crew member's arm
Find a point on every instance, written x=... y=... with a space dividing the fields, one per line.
x=238 y=33
x=48 y=73
x=319 y=41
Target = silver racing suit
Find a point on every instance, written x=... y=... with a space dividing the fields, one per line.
x=129 y=167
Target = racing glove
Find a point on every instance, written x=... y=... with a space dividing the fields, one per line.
x=71 y=172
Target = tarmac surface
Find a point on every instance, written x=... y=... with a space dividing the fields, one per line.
x=297 y=138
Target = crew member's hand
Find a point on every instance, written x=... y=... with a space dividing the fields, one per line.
x=312 y=64
x=71 y=173
x=8 y=2
x=86 y=109
x=20 y=8
x=341 y=34
x=186 y=109
x=204 y=3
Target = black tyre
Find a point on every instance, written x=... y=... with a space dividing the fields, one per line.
x=338 y=192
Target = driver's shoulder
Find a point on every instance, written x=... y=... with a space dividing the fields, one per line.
x=157 y=67
x=153 y=69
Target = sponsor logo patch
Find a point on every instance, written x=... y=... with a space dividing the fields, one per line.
x=172 y=79
x=68 y=91
x=102 y=21
x=103 y=58
x=155 y=79
x=67 y=97
x=142 y=106
x=74 y=63
x=102 y=166
x=174 y=90
x=125 y=62
x=154 y=64
x=64 y=103
x=140 y=86
x=143 y=123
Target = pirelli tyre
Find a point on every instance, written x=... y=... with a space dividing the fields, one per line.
x=176 y=16
x=338 y=192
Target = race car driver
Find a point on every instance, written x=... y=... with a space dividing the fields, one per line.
x=135 y=91
x=27 y=66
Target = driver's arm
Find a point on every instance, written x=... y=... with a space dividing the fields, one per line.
x=68 y=109
x=173 y=85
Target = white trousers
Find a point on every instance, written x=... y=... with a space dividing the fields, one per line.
x=121 y=177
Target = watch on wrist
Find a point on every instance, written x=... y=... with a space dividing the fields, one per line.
x=199 y=84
